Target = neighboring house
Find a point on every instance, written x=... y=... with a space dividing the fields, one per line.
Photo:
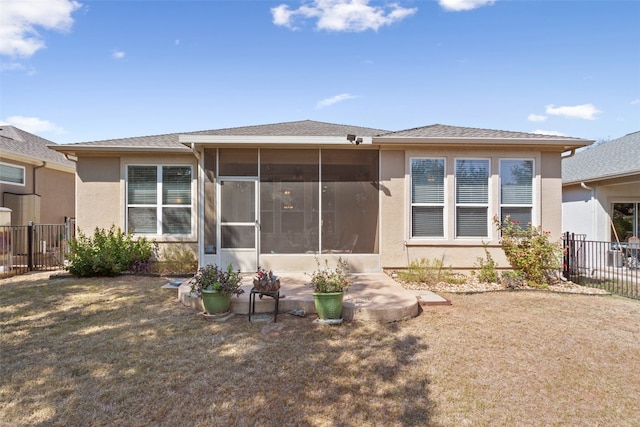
x=279 y=195
x=601 y=189
x=36 y=183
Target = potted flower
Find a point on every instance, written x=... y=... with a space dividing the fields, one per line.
x=266 y=281
x=216 y=286
x=329 y=286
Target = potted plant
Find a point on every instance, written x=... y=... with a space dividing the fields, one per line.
x=216 y=286
x=266 y=281
x=329 y=286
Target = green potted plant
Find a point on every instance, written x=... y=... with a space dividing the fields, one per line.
x=329 y=286
x=216 y=286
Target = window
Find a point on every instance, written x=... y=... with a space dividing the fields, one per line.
x=516 y=190
x=472 y=197
x=11 y=174
x=159 y=199
x=625 y=221
x=427 y=197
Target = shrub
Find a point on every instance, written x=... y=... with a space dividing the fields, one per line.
x=108 y=253
x=429 y=272
x=487 y=268
x=529 y=251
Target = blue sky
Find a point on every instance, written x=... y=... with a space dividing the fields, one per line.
x=76 y=71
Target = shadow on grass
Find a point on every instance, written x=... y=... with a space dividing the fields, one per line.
x=121 y=351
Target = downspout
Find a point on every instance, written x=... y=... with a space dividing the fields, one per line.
x=34 y=176
x=593 y=209
x=571 y=154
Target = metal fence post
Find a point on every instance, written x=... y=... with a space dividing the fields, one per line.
x=30 y=245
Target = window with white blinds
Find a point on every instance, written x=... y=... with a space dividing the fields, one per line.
x=11 y=174
x=159 y=199
x=427 y=197
x=516 y=190
x=472 y=197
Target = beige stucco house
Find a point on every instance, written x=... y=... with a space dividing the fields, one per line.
x=280 y=195
x=36 y=183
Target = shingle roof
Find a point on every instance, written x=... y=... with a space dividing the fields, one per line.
x=298 y=128
x=444 y=131
x=611 y=159
x=27 y=145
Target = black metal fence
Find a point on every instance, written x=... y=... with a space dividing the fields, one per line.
x=614 y=267
x=34 y=247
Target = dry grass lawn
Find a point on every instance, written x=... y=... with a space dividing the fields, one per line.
x=124 y=352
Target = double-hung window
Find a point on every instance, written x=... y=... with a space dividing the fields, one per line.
x=11 y=174
x=472 y=197
x=516 y=190
x=159 y=199
x=427 y=197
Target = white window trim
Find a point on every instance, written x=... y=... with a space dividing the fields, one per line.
x=24 y=175
x=533 y=187
x=471 y=205
x=412 y=204
x=159 y=205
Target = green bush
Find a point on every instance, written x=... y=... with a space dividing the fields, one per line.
x=529 y=251
x=429 y=272
x=487 y=268
x=108 y=253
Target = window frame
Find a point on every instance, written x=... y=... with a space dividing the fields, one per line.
x=502 y=205
x=23 y=173
x=486 y=205
x=159 y=204
x=442 y=205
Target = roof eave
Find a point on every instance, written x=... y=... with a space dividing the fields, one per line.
x=75 y=150
x=268 y=140
x=602 y=178
x=488 y=142
x=37 y=162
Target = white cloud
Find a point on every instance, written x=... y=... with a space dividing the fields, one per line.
x=33 y=124
x=334 y=100
x=536 y=118
x=20 y=20
x=117 y=54
x=341 y=15
x=584 y=111
x=548 y=132
x=635 y=101
x=460 y=5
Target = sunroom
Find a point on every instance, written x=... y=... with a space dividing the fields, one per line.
x=288 y=203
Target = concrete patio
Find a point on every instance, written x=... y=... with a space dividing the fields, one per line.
x=371 y=297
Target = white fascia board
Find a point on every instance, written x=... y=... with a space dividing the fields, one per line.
x=268 y=140
x=566 y=144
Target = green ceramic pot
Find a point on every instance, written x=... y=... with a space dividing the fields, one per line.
x=215 y=302
x=328 y=305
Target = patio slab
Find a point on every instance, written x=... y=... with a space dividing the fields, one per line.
x=371 y=297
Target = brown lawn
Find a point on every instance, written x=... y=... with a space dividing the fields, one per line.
x=123 y=352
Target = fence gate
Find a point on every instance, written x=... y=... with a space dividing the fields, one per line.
x=34 y=247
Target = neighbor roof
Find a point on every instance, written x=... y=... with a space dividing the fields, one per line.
x=611 y=159
x=23 y=146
